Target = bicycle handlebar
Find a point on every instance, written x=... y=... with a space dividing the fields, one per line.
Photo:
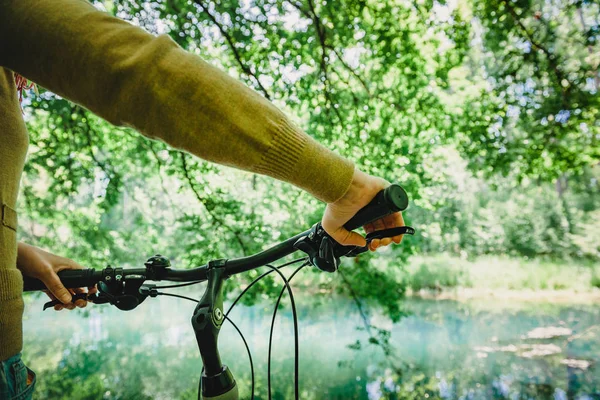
x=72 y=278
x=126 y=288
x=386 y=202
x=89 y=277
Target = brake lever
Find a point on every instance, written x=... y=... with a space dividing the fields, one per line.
x=76 y=296
x=391 y=232
x=381 y=234
x=324 y=252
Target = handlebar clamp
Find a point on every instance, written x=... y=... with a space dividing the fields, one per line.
x=323 y=251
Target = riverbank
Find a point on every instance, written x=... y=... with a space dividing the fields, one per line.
x=533 y=296
x=491 y=277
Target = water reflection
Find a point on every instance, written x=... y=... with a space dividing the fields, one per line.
x=448 y=350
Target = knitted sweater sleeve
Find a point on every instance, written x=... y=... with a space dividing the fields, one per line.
x=132 y=78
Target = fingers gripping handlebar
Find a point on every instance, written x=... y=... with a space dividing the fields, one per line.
x=72 y=278
x=388 y=201
x=324 y=252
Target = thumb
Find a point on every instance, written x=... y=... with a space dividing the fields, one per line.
x=347 y=238
x=55 y=286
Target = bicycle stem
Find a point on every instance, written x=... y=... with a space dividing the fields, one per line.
x=216 y=381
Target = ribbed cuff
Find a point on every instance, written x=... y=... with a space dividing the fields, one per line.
x=297 y=158
x=286 y=148
x=11 y=312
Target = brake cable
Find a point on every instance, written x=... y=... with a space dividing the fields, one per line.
x=178 y=285
x=259 y=278
x=175 y=295
x=296 y=347
x=296 y=344
x=226 y=316
x=293 y=304
x=228 y=319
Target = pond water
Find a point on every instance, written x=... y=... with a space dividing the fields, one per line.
x=443 y=350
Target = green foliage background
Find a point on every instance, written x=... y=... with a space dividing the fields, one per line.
x=487 y=112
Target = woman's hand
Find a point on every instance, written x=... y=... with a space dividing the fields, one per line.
x=40 y=264
x=362 y=190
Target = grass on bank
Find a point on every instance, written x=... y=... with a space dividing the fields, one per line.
x=442 y=272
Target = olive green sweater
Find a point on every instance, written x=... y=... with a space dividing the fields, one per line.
x=132 y=78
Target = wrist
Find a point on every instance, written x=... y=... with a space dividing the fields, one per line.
x=363 y=187
x=23 y=253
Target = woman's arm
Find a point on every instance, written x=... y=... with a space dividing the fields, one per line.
x=130 y=77
x=37 y=263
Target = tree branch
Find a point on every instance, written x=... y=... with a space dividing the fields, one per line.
x=245 y=69
x=552 y=59
x=236 y=53
x=204 y=202
x=590 y=50
x=321 y=35
x=159 y=165
x=106 y=168
x=350 y=69
x=365 y=320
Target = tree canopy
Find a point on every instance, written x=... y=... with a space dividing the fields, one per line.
x=476 y=107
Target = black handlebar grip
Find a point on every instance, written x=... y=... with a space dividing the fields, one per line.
x=390 y=200
x=72 y=278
